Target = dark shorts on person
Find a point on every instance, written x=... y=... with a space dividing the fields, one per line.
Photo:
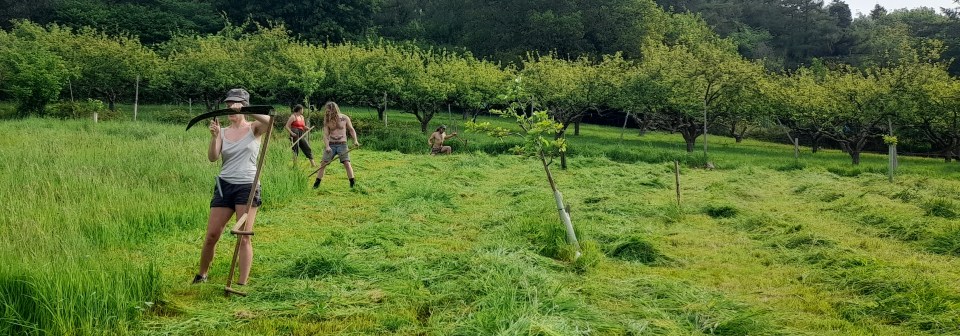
x=337 y=148
x=226 y=195
x=435 y=150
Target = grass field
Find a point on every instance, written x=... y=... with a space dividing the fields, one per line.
x=103 y=224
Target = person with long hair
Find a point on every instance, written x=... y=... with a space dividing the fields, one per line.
x=239 y=147
x=436 y=141
x=336 y=126
x=296 y=126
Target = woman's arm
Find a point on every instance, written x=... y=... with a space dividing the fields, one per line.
x=261 y=124
x=213 y=151
x=287 y=126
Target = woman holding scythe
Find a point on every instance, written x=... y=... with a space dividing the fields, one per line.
x=297 y=128
x=239 y=147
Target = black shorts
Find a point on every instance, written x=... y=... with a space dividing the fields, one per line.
x=226 y=195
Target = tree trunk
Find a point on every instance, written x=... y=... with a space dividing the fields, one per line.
x=380 y=110
x=853 y=150
x=739 y=135
x=211 y=104
x=111 y=100
x=855 y=156
x=643 y=123
x=690 y=144
x=423 y=125
x=815 y=143
x=563 y=155
x=561 y=208
x=576 y=127
x=690 y=135
x=624 y=128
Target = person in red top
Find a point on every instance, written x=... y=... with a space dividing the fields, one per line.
x=296 y=126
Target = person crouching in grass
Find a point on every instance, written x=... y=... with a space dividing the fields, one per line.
x=436 y=141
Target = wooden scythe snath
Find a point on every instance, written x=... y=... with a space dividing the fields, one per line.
x=240 y=229
x=297 y=141
x=324 y=165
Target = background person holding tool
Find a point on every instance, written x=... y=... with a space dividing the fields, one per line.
x=297 y=127
x=335 y=127
x=239 y=147
x=436 y=141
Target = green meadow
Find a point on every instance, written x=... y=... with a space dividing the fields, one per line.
x=102 y=225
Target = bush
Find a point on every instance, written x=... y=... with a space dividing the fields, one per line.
x=175 y=116
x=81 y=110
x=855 y=171
x=793 y=165
x=7 y=111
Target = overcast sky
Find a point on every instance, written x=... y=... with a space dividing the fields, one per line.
x=864 y=6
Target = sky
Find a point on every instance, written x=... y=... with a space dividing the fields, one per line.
x=864 y=6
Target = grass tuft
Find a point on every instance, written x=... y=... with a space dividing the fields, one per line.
x=318 y=265
x=721 y=210
x=940 y=207
x=637 y=249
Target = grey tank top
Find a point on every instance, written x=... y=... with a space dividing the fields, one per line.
x=239 y=158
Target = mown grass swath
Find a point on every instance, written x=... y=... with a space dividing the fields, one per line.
x=103 y=224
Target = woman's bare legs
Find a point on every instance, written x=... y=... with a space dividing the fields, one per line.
x=245 y=255
x=218 y=219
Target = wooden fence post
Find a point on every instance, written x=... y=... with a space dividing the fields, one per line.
x=136 y=98
x=624 y=129
x=676 y=173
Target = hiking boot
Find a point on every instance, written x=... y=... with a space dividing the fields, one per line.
x=199 y=279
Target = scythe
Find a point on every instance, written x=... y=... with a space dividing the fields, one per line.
x=240 y=229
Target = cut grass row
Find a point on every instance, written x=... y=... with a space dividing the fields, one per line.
x=466 y=244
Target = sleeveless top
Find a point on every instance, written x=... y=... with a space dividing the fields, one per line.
x=239 y=158
x=298 y=123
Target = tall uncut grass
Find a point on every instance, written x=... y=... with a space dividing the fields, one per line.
x=81 y=205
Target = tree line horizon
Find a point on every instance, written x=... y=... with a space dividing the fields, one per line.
x=686 y=75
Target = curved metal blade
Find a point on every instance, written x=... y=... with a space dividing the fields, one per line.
x=252 y=109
